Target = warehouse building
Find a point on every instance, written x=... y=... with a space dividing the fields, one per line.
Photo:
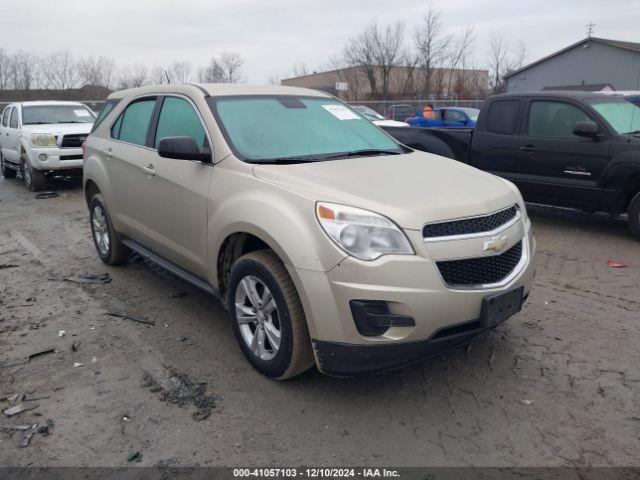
x=590 y=64
x=354 y=83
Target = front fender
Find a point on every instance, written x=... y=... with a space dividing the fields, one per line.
x=283 y=219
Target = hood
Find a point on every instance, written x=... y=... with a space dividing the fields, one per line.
x=410 y=189
x=58 y=128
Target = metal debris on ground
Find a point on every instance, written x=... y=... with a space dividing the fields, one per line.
x=26 y=436
x=129 y=317
x=178 y=388
x=44 y=195
x=89 y=279
x=77 y=364
x=22 y=407
x=62 y=333
x=41 y=353
x=134 y=457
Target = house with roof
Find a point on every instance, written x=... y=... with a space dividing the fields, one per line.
x=592 y=64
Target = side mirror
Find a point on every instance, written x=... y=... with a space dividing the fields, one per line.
x=182 y=148
x=587 y=130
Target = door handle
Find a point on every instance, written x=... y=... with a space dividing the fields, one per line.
x=149 y=170
x=528 y=148
x=107 y=152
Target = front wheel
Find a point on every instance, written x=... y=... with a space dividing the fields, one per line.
x=33 y=178
x=267 y=316
x=110 y=249
x=6 y=171
x=633 y=215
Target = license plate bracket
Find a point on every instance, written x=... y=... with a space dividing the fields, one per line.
x=497 y=308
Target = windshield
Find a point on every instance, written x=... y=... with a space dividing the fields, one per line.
x=369 y=113
x=283 y=128
x=622 y=116
x=46 y=114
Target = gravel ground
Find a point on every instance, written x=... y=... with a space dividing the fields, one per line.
x=559 y=384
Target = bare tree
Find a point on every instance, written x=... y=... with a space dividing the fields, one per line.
x=388 y=51
x=518 y=56
x=498 y=50
x=213 y=73
x=96 y=71
x=24 y=70
x=231 y=64
x=180 y=72
x=298 y=69
x=458 y=52
x=59 y=70
x=358 y=54
x=431 y=43
x=5 y=70
x=133 y=76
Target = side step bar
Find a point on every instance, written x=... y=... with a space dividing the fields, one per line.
x=170 y=266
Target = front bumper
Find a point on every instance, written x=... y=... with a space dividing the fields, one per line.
x=412 y=287
x=56 y=158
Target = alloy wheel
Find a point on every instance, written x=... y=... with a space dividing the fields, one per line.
x=100 y=229
x=257 y=317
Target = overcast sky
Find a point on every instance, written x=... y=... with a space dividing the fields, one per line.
x=272 y=35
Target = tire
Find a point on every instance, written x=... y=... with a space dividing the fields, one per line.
x=105 y=238
x=32 y=178
x=7 y=172
x=633 y=215
x=283 y=313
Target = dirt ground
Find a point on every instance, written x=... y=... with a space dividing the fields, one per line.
x=559 y=384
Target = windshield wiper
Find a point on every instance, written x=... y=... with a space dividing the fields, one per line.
x=36 y=123
x=72 y=121
x=360 y=153
x=635 y=132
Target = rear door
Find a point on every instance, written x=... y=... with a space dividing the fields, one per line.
x=176 y=199
x=494 y=147
x=557 y=166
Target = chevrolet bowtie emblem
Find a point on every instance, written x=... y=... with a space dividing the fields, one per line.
x=496 y=244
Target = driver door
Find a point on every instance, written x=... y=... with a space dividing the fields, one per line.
x=177 y=190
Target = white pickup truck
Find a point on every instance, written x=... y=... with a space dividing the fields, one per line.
x=43 y=138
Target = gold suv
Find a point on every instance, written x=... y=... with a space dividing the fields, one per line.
x=328 y=242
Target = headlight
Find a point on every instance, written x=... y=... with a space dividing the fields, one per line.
x=43 y=139
x=363 y=234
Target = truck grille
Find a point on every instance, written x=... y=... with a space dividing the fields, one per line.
x=473 y=272
x=73 y=140
x=465 y=226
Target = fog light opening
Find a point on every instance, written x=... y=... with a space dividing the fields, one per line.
x=43 y=157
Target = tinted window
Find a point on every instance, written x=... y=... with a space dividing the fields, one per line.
x=503 y=117
x=14 y=118
x=5 y=117
x=266 y=127
x=133 y=124
x=104 y=111
x=453 y=116
x=554 y=119
x=179 y=119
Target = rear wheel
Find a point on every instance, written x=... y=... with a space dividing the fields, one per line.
x=7 y=172
x=33 y=178
x=633 y=215
x=110 y=249
x=267 y=316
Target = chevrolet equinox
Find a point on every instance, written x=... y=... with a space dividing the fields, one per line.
x=327 y=241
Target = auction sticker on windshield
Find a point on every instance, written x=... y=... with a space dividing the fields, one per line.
x=341 y=112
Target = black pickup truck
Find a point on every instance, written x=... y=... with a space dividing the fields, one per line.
x=570 y=149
